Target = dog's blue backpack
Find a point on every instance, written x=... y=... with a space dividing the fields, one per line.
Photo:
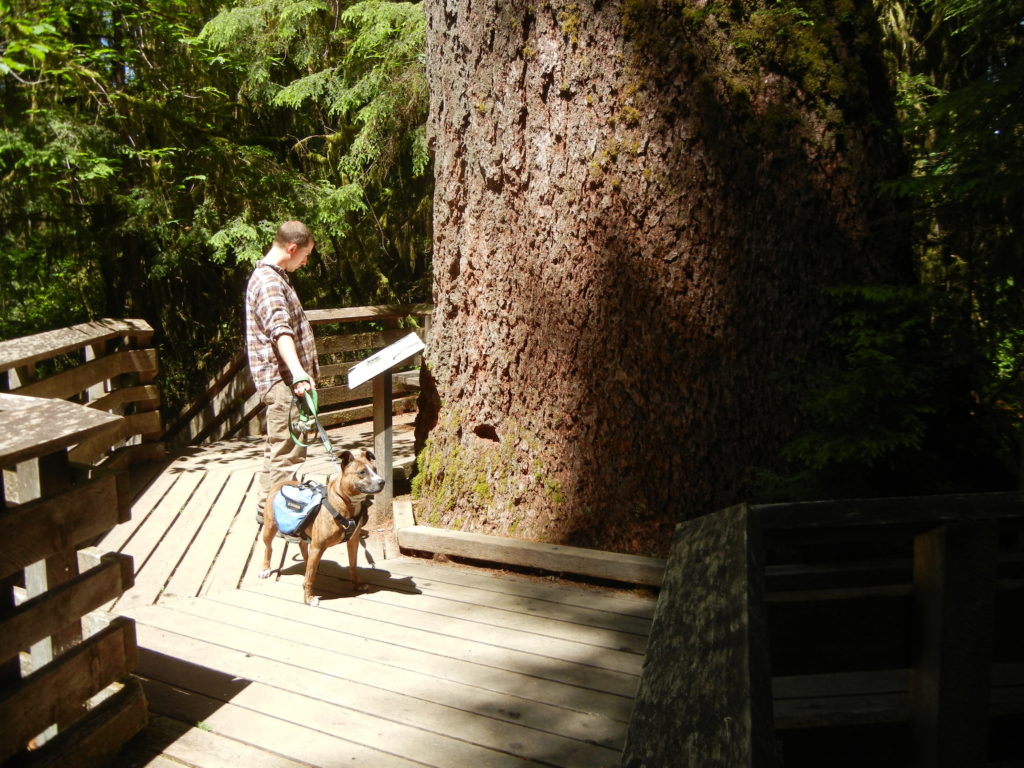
x=295 y=504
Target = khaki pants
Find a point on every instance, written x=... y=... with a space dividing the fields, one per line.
x=281 y=455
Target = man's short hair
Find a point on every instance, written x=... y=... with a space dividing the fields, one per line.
x=293 y=232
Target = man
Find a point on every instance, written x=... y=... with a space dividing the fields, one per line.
x=282 y=351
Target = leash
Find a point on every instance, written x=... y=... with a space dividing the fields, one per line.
x=306 y=421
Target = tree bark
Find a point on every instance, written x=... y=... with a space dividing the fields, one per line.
x=637 y=206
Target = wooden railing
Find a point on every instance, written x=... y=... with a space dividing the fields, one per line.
x=79 y=403
x=107 y=365
x=230 y=407
x=65 y=688
x=867 y=616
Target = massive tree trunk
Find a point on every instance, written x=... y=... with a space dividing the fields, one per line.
x=637 y=207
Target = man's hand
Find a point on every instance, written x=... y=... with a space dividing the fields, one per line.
x=301 y=383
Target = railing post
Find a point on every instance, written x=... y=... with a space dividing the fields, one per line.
x=383 y=438
x=950 y=688
x=705 y=693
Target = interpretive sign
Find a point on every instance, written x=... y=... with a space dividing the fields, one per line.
x=387 y=358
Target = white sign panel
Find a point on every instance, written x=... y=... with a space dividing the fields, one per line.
x=388 y=357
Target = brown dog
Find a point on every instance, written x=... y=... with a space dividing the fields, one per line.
x=348 y=492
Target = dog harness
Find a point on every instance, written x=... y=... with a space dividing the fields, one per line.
x=295 y=505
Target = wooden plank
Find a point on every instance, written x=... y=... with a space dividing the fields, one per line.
x=573 y=623
x=840 y=684
x=146 y=396
x=314 y=744
x=126 y=485
x=46 y=614
x=328 y=397
x=142 y=540
x=143 y=505
x=57 y=692
x=639 y=605
x=841 y=711
x=130 y=456
x=147 y=423
x=241 y=421
x=219 y=406
x=39 y=529
x=94 y=740
x=159 y=761
x=401 y=513
x=245 y=454
x=358 y=314
x=357 y=342
x=441 y=708
x=872 y=697
x=283 y=555
x=929 y=510
x=187 y=579
x=78 y=379
x=841 y=699
x=391 y=640
x=954 y=578
x=185 y=743
x=31 y=427
x=153 y=573
x=705 y=694
x=557 y=558
x=228 y=376
x=838 y=593
x=43 y=346
x=363 y=412
x=544 y=638
x=234 y=555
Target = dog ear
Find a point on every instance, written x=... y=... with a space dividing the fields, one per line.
x=345 y=458
x=369 y=456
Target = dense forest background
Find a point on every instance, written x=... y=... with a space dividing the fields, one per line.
x=148 y=152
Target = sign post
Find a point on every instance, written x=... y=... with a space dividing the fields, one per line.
x=378 y=367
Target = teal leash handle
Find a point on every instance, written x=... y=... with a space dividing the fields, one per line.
x=307 y=421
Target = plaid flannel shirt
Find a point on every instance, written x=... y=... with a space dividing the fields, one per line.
x=273 y=309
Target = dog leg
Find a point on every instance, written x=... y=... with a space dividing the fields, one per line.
x=312 y=565
x=353 y=557
x=269 y=529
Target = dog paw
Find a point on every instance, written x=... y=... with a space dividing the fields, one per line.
x=264 y=573
x=313 y=602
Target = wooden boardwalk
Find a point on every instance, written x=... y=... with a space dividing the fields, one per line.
x=433 y=665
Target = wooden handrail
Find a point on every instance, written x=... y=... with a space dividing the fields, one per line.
x=230 y=407
x=114 y=372
x=362 y=314
x=26 y=350
x=112 y=350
